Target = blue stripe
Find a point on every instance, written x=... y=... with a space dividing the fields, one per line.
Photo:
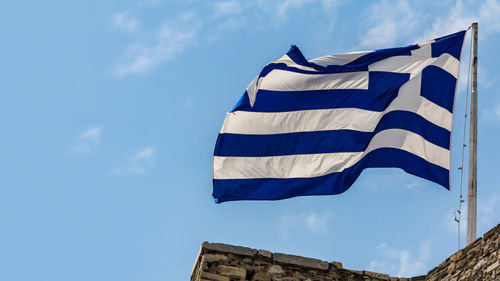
x=335 y=183
x=381 y=54
x=281 y=101
x=292 y=143
x=415 y=123
x=327 y=141
x=296 y=55
x=243 y=102
x=438 y=86
x=383 y=89
x=451 y=44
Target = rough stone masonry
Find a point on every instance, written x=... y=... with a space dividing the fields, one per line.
x=221 y=262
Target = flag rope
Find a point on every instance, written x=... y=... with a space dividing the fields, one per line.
x=458 y=212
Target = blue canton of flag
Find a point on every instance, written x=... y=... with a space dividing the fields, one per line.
x=310 y=127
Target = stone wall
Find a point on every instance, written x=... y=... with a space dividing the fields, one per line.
x=478 y=261
x=222 y=262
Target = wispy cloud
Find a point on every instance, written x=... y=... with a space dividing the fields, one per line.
x=138 y=164
x=125 y=22
x=489 y=18
x=171 y=39
x=493 y=113
x=176 y=34
x=227 y=8
x=401 y=262
x=87 y=142
x=312 y=222
x=463 y=14
x=489 y=210
x=386 y=22
x=281 y=8
x=459 y=18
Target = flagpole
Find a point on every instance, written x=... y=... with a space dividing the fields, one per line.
x=472 y=178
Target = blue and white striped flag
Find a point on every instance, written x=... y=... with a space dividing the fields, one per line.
x=310 y=127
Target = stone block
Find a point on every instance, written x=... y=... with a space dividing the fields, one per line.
x=493 y=266
x=456 y=256
x=232 y=271
x=238 y=250
x=302 y=261
x=213 y=258
x=284 y=279
x=265 y=253
x=460 y=263
x=337 y=264
x=275 y=269
x=492 y=232
x=418 y=278
x=355 y=271
x=212 y=276
x=376 y=275
x=472 y=245
x=261 y=276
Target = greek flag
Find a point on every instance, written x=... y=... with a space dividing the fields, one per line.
x=310 y=127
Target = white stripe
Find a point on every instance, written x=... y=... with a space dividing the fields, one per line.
x=448 y=63
x=252 y=91
x=289 y=62
x=282 y=80
x=425 y=108
x=339 y=59
x=415 y=64
x=426 y=43
x=289 y=166
x=413 y=143
x=266 y=123
x=401 y=64
x=314 y=165
x=423 y=51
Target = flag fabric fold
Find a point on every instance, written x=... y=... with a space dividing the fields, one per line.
x=310 y=127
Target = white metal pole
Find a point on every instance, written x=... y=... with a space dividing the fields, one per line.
x=472 y=179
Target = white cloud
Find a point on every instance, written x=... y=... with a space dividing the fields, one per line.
x=232 y=22
x=142 y=3
x=125 y=22
x=312 y=222
x=494 y=112
x=281 y=8
x=460 y=17
x=138 y=164
x=463 y=14
x=170 y=40
x=88 y=141
x=227 y=8
x=290 y=4
x=189 y=102
x=395 y=176
x=176 y=34
x=489 y=16
x=386 y=22
x=414 y=183
x=489 y=211
x=400 y=262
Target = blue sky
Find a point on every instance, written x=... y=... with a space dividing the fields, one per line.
x=109 y=112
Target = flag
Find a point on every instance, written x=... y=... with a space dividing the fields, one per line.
x=310 y=127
